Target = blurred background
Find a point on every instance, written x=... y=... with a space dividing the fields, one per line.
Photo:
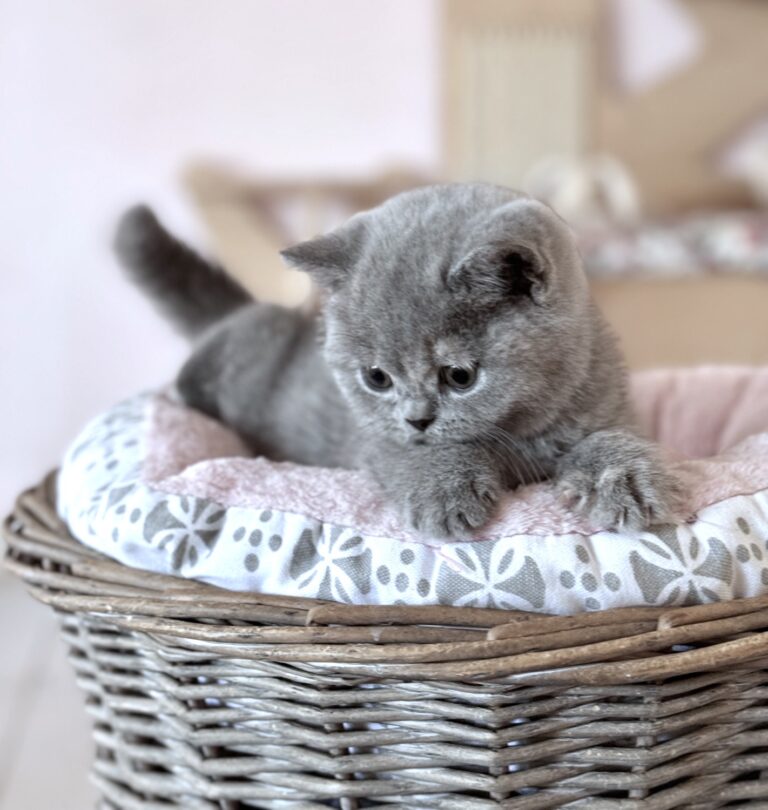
x=250 y=124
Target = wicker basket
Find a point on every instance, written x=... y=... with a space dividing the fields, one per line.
x=204 y=698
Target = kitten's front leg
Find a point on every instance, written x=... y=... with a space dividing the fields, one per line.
x=442 y=491
x=619 y=481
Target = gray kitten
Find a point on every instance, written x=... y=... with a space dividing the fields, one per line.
x=459 y=355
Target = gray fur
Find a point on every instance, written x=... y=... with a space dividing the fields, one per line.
x=474 y=276
x=191 y=291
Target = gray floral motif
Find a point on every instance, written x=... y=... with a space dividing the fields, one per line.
x=670 y=570
x=190 y=525
x=104 y=449
x=487 y=576
x=101 y=436
x=332 y=567
x=117 y=494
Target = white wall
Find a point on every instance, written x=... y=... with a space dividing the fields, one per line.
x=102 y=102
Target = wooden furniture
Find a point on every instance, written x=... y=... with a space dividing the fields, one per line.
x=250 y=219
x=688 y=321
x=527 y=79
x=519 y=85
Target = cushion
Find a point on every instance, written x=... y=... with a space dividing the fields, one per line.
x=161 y=487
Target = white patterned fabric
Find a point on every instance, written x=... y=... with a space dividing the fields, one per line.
x=159 y=487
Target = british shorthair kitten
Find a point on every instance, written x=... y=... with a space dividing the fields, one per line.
x=458 y=355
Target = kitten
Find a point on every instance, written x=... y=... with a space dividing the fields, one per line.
x=459 y=355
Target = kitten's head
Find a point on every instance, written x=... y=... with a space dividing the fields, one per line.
x=452 y=311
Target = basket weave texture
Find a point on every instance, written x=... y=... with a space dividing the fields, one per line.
x=204 y=698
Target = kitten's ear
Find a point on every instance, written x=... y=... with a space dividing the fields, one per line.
x=329 y=258
x=499 y=272
x=513 y=254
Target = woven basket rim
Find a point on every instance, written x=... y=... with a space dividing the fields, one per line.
x=615 y=646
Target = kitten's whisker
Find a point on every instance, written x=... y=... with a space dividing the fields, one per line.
x=524 y=454
x=529 y=456
x=538 y=471
x=503 y=458
x=511 y=456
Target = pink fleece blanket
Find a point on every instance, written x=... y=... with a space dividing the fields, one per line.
x=712 y=422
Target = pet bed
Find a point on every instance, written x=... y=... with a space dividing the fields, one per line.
x=209 y=699
x=160 y=487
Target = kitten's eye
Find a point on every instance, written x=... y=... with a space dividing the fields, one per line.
x=458 y=377
x=377 y=379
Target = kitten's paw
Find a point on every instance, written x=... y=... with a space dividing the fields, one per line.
x=623 y=497
x=455 y=509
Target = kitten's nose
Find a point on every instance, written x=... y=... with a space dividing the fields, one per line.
x=421 y=424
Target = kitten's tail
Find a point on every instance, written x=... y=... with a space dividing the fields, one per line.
x=188 y=289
